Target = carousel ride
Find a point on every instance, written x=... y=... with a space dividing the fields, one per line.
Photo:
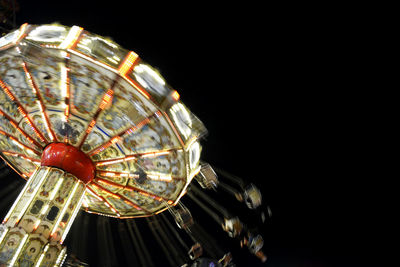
x=92 y=127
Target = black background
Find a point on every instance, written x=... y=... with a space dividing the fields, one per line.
x=269 y=84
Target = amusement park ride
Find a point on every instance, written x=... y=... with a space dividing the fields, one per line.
x=92 y=127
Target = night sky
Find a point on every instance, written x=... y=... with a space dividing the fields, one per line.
x=260 y=80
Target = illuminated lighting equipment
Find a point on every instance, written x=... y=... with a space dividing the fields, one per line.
x=128 y=63
x=71 y=38
x=92 y=126
x=38 y=263
x=175 y=95
x=64 y=209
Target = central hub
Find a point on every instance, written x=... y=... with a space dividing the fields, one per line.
x=69 y=159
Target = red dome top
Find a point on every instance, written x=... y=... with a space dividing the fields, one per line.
x=69 y=159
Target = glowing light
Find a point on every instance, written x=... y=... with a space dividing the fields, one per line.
x=105 y=200
x=109 y=162
x=18 y=155
x=173 y=128
x=106 y=99
x=106 y=191
x=85 y=204
x=36 y=224
x=8 y=39
x=88 y=58
x=128 y=63
x=39 y=185
x=102 y=55
x=127 y=201
x=57 y=35
x=71 y=220
x=64 y=208
x=155 y=154
x=112 y=59
x=91 y=125
x=19 y=197
x=21 y=33
x=7 y=90
x=15 y=125
x=182 y=119
x=145 y=69
x=114 y=161
x=114 y=174
x=137 y=87
x=61 y=257
x=161 y=177
x=39 y=262
x=64 y=75
x=44 y=210
x=132 y=157
x=71 y=38
x=194 y=155
x=94 y=194
x=175 y=95
x=55 y=190
x=22 y=146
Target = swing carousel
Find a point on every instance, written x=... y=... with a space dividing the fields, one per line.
x=91 y=126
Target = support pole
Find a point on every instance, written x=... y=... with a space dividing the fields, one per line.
x=37 y=223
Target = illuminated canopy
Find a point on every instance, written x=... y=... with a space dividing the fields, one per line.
x=66 y=85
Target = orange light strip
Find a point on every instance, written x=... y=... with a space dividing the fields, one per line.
x=21 y=110
x=15 y=125
x=126 y=200
x=13 y=138
x=128 y=62
x=155 y=154
x=7 y=90
x=22 y=33
x=102 y=198
x=133 y=156
x=107 y=98
x=114 y=161
x=114 y=174
x=138 y=190
x=39 y=101
x=100 y=148
x=19 y=155
x=175 y=95
x=119 y=136
x=108 y=192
